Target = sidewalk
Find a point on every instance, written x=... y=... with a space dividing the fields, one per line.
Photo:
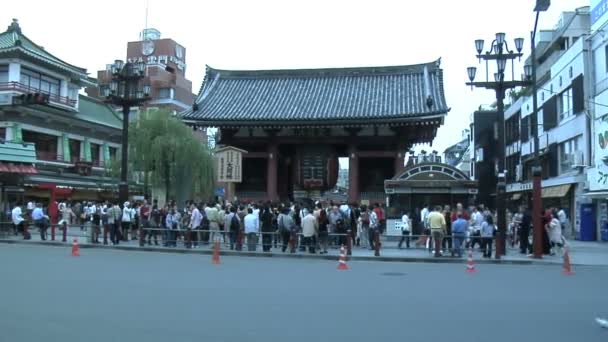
x=581 y=253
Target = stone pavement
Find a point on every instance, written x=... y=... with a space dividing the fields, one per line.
x=581 y=253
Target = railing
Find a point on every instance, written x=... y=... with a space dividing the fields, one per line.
x=54 y=157
x=49 y=156
x=22 y=88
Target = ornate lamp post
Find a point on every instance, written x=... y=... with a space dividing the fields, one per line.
x=126 y=89
x=500 y=53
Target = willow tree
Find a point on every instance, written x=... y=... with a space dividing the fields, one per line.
x=171 y=156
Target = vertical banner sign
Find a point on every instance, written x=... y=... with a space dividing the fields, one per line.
x=229 y=164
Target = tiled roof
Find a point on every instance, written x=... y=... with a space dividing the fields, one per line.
x=331 y=96
x=13 y=40
x=98 y=112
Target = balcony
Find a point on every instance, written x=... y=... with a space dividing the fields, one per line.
x=24 y=89
x=58 y=158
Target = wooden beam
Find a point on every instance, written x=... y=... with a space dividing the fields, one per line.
x=377 y=154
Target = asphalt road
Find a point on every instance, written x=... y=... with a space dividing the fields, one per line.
x=109 y=295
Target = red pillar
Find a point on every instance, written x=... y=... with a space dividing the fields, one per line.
x=353 y=174
x=271 y=172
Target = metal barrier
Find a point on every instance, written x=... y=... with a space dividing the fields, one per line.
x=188 y=238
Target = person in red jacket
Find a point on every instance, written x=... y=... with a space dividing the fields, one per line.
x=460 y=209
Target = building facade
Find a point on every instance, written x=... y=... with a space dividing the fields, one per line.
x=165 y=71
x=561 y=123
x=68 y=140
x=596 y=199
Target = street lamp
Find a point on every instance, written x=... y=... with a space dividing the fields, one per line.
x=499 y=52
x=127 y=88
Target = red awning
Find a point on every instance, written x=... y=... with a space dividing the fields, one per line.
x=17 y=168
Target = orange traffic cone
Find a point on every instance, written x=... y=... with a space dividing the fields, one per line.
x=75 y=248
x=342 y=261
x=470 y=263
x=567 y=268
x=216 y=253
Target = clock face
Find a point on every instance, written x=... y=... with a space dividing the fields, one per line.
x=147 y=47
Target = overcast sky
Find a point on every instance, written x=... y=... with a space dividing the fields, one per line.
x=272 y=34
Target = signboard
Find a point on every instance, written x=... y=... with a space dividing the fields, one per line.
x=597 y=176
x=220 y=192
x=229 y=164
x=598 y=11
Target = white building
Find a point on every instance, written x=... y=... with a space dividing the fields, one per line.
x=562 y=121
x=597 y=174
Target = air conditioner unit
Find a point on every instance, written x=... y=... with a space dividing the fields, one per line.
x=519 y=171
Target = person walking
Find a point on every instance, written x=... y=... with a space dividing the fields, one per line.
x=487 y=235
x=405 y=231
x=128 y=218
x=374 y=228
x=267 y=229
x=555 y=234
x=437 y=225
x=17 y=218
x=233 y=224
x=114 y=220
x=251 y=230
x=323 y=224
x=364 y=224
x=447 y=242
x=40 y=220
x=213 y=215
x=523 y=231
x=196 y=219
x=309 y=231
x=459 y=229
x=286 y=226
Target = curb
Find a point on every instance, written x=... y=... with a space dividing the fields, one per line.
x=431 y=260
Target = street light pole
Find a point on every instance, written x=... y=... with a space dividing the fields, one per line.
x=500 y=53
x=537 y=202
x=126 y=89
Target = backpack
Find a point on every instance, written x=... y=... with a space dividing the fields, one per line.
x=365 y=218
x=234 y=224
x=287 y=224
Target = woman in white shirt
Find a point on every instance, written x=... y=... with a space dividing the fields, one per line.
x=555 y=233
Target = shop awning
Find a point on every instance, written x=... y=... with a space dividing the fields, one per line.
x=17 y=168
x=555 y=191
x=596 y=194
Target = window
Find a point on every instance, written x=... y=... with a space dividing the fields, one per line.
x=113 y=151
x=564 y=104
x=95 y=148
x=73 y=94
x=36 y=81
x=164 y=93
x=3 y=73
x=606 y=57
x=567 y=151
x=3 y=133
x=74 y=149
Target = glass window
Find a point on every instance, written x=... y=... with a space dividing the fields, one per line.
x=73 y=93
x=3 y=73
x=37 y=81
x=564 y=104
x=567 y=151
x=95 y=148
x=164 y=93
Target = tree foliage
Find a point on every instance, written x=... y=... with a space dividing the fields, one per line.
x=171 y=155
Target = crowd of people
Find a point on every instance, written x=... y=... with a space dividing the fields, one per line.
x=291 y=226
